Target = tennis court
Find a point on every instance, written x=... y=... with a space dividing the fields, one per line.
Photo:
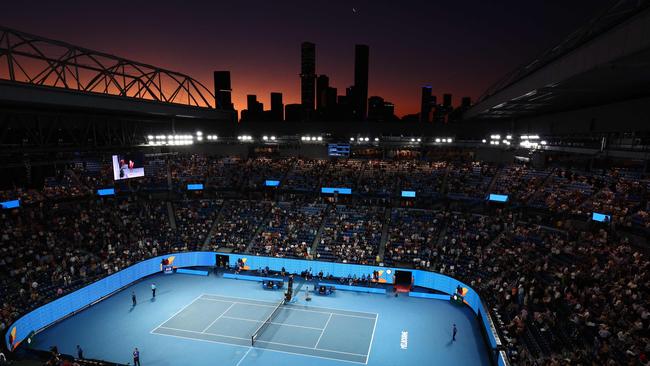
x=297 y=329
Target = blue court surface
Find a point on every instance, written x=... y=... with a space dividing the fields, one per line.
x=197 y=320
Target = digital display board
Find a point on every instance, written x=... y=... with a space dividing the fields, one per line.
x=498 y=197
x=106 y=192
x=127 y=166
x=10 y=204
x=332 y=190
x=601 y=217
x=338 y=150
x=272 y=183
x=194 y=186
x=408 y=194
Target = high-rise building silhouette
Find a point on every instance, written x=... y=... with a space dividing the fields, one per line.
x=330 y=98
x=222 y=90
x=425 y=104
x=466 y=102
x=322 y=83
x=389 y=111
x=254 y=110
x=251 y=102
x=380 y=110
x=307 y=76
x=361 y=54
x=293 y=112
x=446 y=100
x=277 y=108
x=375 y=108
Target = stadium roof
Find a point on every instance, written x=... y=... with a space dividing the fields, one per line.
x=607 y=60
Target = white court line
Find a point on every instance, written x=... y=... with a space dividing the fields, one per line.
x=323 y=331
x=208 y=333
x=291 y=305
x=178 y=312
x=260 y=341
x=372 y=338
x=311 y=348
x=265 y=349
x=245 y=354
x=238 y=302
x=262 y=321
x=219 y=317
x=367 y=356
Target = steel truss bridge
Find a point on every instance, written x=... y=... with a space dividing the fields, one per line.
x=53 y=93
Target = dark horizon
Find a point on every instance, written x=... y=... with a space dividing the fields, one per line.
x=455 y=49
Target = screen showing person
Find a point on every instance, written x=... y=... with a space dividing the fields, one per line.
x=127 y=166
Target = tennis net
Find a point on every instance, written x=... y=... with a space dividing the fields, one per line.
x=267 y=322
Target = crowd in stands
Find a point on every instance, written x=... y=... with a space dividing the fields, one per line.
x=290 y=232
x=238 y=223
x=351 y=235
x=49 y=249
x=411 y=236
x=194 y=220
x=519 y=182
x=563 y=290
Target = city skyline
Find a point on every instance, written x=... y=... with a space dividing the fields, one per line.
x=411 y=46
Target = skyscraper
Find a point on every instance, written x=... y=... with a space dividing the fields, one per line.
x=251 y=102
x=425 y=104
x=361 y=53
x=446 y=100
x=389 y=111
x=322 y=83
x=254 y=109
x=222 y=90
x=466 y=102
x=375 y=108
x=330 y=98
x=307 y=76
x=277 y=108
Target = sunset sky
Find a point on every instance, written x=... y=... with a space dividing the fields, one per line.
x=458 y=47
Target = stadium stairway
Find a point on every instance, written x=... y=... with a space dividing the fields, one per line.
x=258 y=230
x=443 y=188
x=314 y=245
x=217 y=220
x=169 y=176
x=384 y=235
x=540 y=188
x=75 y=178
x=494 y=180
x=215 y=224
x=172 y=217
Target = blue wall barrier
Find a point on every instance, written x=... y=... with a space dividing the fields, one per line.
x=67 y=305
x=62 y=307
x=192 y=272
x=425 y=295
x=235 y=276
x=374 y=290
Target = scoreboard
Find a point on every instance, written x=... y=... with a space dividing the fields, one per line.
x=338 y=150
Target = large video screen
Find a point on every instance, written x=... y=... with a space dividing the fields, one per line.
x=338 y=150
x=127 y=166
